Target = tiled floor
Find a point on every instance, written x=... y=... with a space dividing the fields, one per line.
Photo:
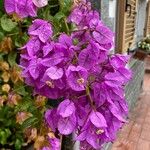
x=147 y=60
x=135 y=135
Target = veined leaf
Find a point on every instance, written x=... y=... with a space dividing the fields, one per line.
x=12 y=58
x=7 y=24
x=32 y=121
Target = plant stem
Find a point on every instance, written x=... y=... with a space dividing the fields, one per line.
x=66 y=25
x=90 y=98
x=61 y=3
x=12 y=34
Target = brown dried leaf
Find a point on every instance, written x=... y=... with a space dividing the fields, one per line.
x=13 y=99
x=4 y=66
x=6 y=45
x=40 y=142
x=5 y=76
x=22 y=116
x=16 y=75
x=40 y=101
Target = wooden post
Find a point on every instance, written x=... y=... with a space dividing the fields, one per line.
x=147 y=22
x=120 y=25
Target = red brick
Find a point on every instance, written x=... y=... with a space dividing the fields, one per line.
x=125 y=145
x=137 y=128
x=147 y=120
x=131 y=146
x=140 y=120
x=143 y=145
x=123 y=135
x=146 y=126
x=134 y=136
x=145 y=135
x=127 y=128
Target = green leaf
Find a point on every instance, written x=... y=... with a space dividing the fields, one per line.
x=60 y=15
x=20 y=89
x=18 y=144
x=7 y=24
x=1 y=36
x=1 y=5
x=3 y=138
x=1 y=55
x=8 y=132
x=67 y=6
x=30 y=122
x=24 y=106
x=12 y=58
x=20 y=41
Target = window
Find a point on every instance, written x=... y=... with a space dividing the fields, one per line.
x=125 y=28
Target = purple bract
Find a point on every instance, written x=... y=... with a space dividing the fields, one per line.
x=24 y=8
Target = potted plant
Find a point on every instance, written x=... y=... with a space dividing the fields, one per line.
x=143 y=48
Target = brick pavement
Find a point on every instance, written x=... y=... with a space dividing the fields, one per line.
x=135 y=135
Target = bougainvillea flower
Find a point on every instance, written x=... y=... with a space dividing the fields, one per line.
x=89 y=56
x=98 y=119
x=10 y=6
x=90 y=134
x=65 y=118
x=51 y=118
x=42 y=29
x=67 y=125
x=77 y=77
x=33 y=68
x=54 y=73
x=119 y=60
x=65 y=40
x=33 y=46
x=54 y=144
x=78 y=70
x=103 y=35
x=40 y=3
x=47 y=48
x=23 y=8
x=46 y=148
x=66 y=108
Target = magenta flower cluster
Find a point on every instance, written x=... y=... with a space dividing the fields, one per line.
x=78 y=69
x=24 y=8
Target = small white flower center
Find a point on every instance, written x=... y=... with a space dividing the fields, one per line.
x=80 y=81
x=50 y=84
x=99 y=131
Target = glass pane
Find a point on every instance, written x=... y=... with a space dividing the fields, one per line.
x=108 y=13
x=140 y=24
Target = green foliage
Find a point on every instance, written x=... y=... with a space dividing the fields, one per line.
x=1 y=36
x=9 y=130
x=56 y=12
x=7 y=24
x=13 y=35
x=12 y=58
x=20 y=89
x=30 y=122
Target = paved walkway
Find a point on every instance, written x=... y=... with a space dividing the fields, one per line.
x=136 y=134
